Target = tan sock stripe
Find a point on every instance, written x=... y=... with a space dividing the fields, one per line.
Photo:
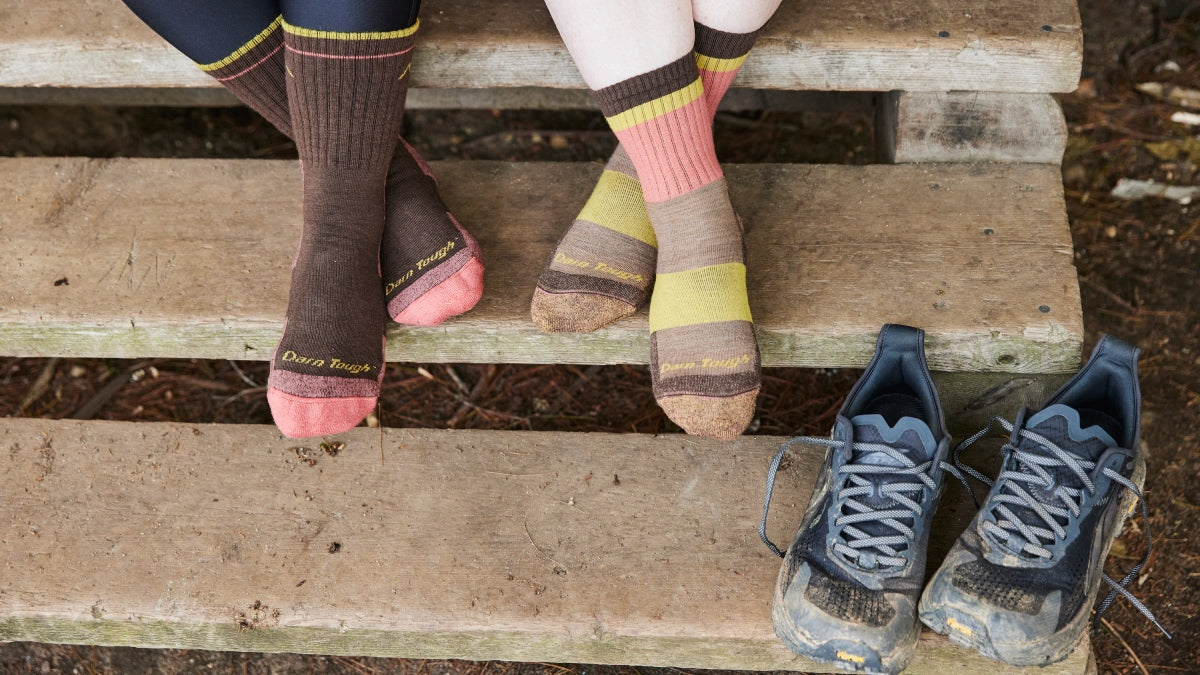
x=718 y=348
x=553 y=281
x=621 y=163
x=596 y=251
x=723 y=360
x=718 y=242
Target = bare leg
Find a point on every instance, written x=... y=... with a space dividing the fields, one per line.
x=614 y=40
x=745 y=16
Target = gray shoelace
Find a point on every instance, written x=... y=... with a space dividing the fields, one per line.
x=1032 y=469
x=853 y=481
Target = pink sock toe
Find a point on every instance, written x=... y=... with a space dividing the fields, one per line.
x=302 y=417
x=457 y=294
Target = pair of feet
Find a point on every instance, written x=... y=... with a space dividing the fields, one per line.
x=690 y=266
x=1020 y=582
x=422 y=269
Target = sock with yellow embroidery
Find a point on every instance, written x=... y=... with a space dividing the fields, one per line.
x=432 y=267
x=704 y=360
x=603 y=266
x=345 y=94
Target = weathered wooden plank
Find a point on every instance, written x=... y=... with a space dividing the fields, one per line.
x=533 y=546
x=190 y=258
x=864 y=45
x=970 y=126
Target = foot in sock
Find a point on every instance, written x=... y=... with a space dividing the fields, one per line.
x=432 y=268
x=704 y=360
x=603 y=267
x=325 y=373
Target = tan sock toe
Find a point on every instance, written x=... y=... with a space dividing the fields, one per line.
x=576 y=312
x=721 y=417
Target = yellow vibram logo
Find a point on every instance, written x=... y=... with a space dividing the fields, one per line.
x=959 y=627
x=847 y=656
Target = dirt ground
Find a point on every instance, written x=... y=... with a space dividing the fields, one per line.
x=1137 y=263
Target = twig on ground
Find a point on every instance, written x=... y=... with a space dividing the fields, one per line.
x=88 y=410
x=468 y=403
x=1125 y=644
x=242 y=374
x=462 y=386
x=39 y=387
x=574 y=389
x=1094 y=285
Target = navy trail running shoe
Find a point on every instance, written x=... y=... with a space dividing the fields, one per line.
x=1020 y=583
x=847 y=591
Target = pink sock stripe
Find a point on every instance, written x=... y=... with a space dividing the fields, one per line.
x=252 y=67
x=348 y=56
x=673 y=153
x=320 y=386
x=715 y=86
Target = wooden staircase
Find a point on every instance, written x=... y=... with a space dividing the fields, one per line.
x=530 y=546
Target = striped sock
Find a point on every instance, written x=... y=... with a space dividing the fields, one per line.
x=345 y=92
x=603 y=266
x=704 y=360
x=432 y=268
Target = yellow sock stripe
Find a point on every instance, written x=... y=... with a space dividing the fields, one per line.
x=241 y=51
x=334 y=35
x=656 y=108
x=677 y=297
x=714 y=65
x=617 y=204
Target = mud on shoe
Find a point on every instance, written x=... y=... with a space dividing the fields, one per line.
x=1020 y=582
x=847 y=591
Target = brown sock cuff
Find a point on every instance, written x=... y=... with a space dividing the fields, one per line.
x=254 y=74
x=617 y=98
x=347 y=93
x=719 y=44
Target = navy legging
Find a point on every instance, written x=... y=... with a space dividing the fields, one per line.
x=207 y=31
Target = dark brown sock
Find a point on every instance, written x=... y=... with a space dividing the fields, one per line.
x=432 y=267
x=345 y=93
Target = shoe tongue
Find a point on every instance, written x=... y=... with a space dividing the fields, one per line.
x=913 y=439
x=1061 y=425
x=909 y=435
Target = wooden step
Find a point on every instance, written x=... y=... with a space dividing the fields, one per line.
x=530 y=546
x=1027 y=46
x=133 y=258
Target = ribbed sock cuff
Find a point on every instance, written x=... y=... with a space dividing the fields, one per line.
x=718 y=44
x=254 y=73
x=639 y=89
